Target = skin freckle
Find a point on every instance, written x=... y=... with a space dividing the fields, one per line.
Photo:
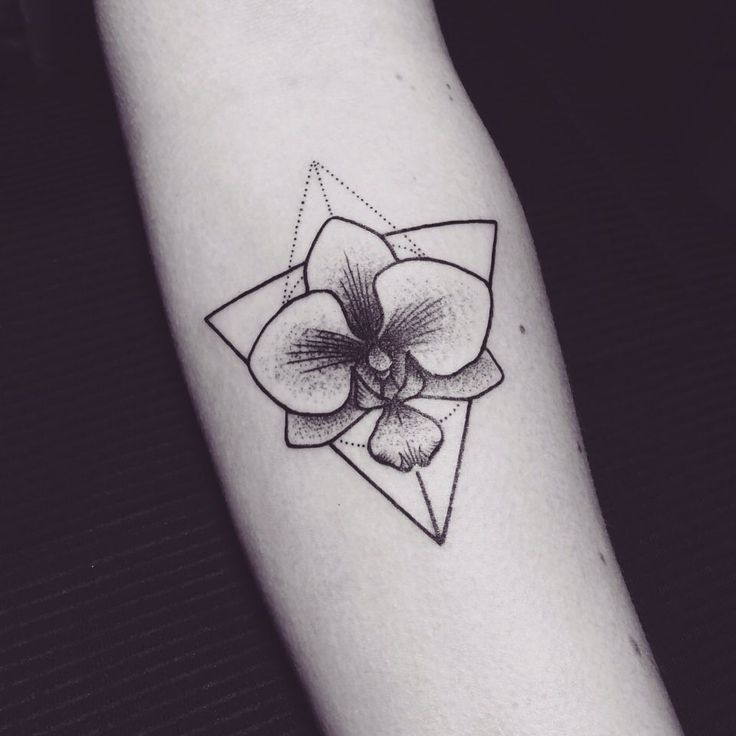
x=522 y=329
x=636 y=647
x=399 y=77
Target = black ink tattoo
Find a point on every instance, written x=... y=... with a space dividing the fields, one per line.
x=376 y=343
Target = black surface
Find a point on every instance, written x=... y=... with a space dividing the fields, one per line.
x=125 y=604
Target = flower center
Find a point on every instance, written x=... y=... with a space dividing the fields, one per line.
x=379 y=360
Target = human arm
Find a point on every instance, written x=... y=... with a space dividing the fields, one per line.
x=519 y=622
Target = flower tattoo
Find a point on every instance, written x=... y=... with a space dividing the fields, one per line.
x=374 y=343
x=371 y=333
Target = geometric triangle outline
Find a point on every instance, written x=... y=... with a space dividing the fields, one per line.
x=326 y=195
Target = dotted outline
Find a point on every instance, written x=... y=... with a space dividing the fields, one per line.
x=413 y=247
x=322 y=187
x=315 y=169
x=441 y=421
x=310 y=171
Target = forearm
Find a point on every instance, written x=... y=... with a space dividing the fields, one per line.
x=519 y=621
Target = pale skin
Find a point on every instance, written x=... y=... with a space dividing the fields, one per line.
x=520 y=623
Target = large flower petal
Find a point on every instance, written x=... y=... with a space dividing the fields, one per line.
x=344 y=259
x=404 y=437
x=312 y=430
x=475 y=379
x=304 y=355
x=438 y=311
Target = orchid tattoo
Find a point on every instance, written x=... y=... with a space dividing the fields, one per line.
x=371 y=333
x=376 y=345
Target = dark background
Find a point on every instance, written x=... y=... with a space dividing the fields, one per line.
x=126 y=605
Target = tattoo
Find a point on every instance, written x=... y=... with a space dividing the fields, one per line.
x=375 y=344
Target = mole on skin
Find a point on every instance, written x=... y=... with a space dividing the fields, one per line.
x=636 y=646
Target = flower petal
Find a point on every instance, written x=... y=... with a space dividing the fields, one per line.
x=366 y=374
x=344 y=259
x=438 y=311
x=366 y=395
x=304 y=355
x=313 y=430
x=469 y=382
x=413 y=379
x=404 y=437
